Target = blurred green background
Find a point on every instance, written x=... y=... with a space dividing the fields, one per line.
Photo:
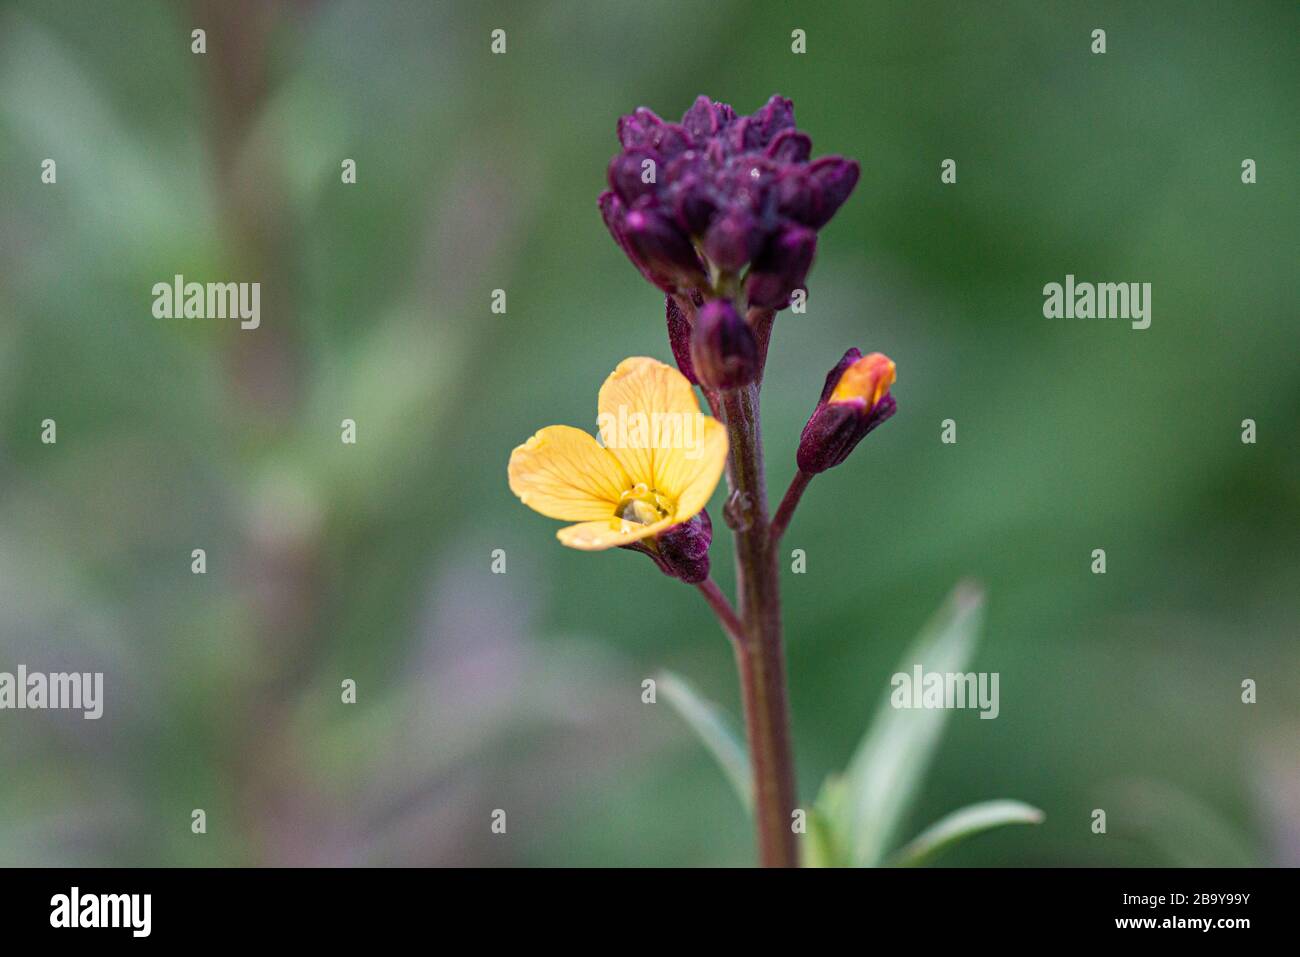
x=522 y=691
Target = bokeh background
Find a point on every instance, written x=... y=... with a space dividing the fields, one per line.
x=522 y=691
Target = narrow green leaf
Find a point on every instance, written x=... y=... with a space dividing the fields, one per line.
x=1187 y=831
x=819 y=849
x=883 y=777
x=714 y=729
x=959 y=825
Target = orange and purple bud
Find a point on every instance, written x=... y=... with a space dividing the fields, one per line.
x=854 y=400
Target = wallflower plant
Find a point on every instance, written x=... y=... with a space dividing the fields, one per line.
x=721 y=213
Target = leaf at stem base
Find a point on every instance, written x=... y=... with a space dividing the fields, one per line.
x=714 y=728
x=959 y=825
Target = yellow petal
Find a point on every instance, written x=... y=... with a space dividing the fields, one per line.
x=563 y=473
x=868 y=380
x=609 y=533
x=645 y=408
x=690 y=474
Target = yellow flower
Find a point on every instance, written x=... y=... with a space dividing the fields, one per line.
x=660 y=462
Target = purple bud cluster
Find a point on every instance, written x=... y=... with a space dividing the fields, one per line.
x=699 y=205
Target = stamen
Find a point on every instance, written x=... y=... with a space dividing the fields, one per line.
x=643 y=506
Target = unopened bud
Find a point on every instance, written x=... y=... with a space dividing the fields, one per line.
x=656 y=243
x=854 y=400
x=724 y=352
x=781 y=268
x=681 y=551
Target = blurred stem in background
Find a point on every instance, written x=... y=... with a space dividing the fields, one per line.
x=264 y=385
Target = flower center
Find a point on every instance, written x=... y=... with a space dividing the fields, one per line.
x=643 y=505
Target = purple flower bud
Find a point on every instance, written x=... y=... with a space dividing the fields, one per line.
x=627 y=174
x=790 y=146
x=683 y=549
x=638 y=128
x=799 y=196
x=705 y=117
x=733 y=240
x=724 y=352
x=679 y=336
x=741 y=187
x=853 y=402
x=673 y=139
x=612 y=211
x=781 y=268
x=695 y=208
x=776 y=115
x=654 y=241
x=836 y=176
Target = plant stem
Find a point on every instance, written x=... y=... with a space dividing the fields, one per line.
x=727 y=616
x=761 y=657
x=785 y=511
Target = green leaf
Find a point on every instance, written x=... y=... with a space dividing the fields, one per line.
x=961 y=824
x=714 y=729
x=883 y=777
x=1178 y=824
x=819 y=848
